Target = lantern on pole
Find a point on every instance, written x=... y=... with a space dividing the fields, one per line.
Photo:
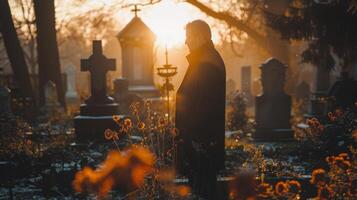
x=167 y=71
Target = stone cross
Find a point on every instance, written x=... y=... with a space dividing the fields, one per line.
x=98 y=65
x=136 y=10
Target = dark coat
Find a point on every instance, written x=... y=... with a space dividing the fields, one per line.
x=200 y=111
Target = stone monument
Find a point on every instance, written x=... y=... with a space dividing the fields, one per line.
x=97 y=111
x=318 y=107
x=71 y=94
x=273 y=107
x=137 y=42
x=50 y=90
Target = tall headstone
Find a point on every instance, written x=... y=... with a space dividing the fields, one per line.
x=273 y=107
x=71 y=94
x=137 y=42
x=51 y=107
x=319 y=108
x=96 y=112
x=50 y=94
x=246 y=76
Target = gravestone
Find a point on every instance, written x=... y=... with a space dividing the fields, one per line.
x=246 y=74
x=97 y=111
x=344 y=92
x=51 y=94
x=51 y=108
x=319 y=108
x=137 y=43
x=273 y=107
x=122 y=96
x=71 y=94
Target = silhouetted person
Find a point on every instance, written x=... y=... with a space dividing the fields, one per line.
x=200 y=112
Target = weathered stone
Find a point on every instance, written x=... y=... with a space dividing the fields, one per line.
x=71 y=93
x=273 y=107
x=97 y=111
x=137 y=42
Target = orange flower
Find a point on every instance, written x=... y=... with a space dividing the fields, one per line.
x=116 y=118
x=125 y=170
x=281 y=188
x=127 y=123
x=319 y=177
x=108 y=134
x=330 y=159
x=141 y=126
x=344 y=156
x=183 y=190
x=294 y=187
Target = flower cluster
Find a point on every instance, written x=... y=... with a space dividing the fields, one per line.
x=333 y=116
x=247 y=186
x=124 y=169
x=315 y=125
x=339 y=181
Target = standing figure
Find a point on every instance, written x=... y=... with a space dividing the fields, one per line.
x=200 y=112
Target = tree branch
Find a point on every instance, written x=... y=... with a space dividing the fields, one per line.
x=232 y=21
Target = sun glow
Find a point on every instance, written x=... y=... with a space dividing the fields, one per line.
x=167 y=20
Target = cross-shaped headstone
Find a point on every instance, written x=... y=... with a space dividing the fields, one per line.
x=98 y=65
x=136 y=10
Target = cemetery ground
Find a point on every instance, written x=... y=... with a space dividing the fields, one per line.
x=44 y=161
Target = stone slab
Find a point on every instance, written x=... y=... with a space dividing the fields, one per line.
x=91 y=128
x=270 y=135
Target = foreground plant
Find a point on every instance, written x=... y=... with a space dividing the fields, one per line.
x=125 y=170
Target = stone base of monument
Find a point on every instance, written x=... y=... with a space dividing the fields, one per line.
x=91 y=128
x=273 y=135
x=94 y=120
x=145 y=91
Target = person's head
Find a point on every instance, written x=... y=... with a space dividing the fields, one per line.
x=198 y=33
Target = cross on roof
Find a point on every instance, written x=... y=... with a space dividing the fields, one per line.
x=136 y=10
x=98 y=65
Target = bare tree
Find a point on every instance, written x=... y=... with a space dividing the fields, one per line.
x=13 y=49
x=48 y=55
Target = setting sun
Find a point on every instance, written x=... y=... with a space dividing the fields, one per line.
x=167 y=20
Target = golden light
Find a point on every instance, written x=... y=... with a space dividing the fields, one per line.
x=167 y=20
